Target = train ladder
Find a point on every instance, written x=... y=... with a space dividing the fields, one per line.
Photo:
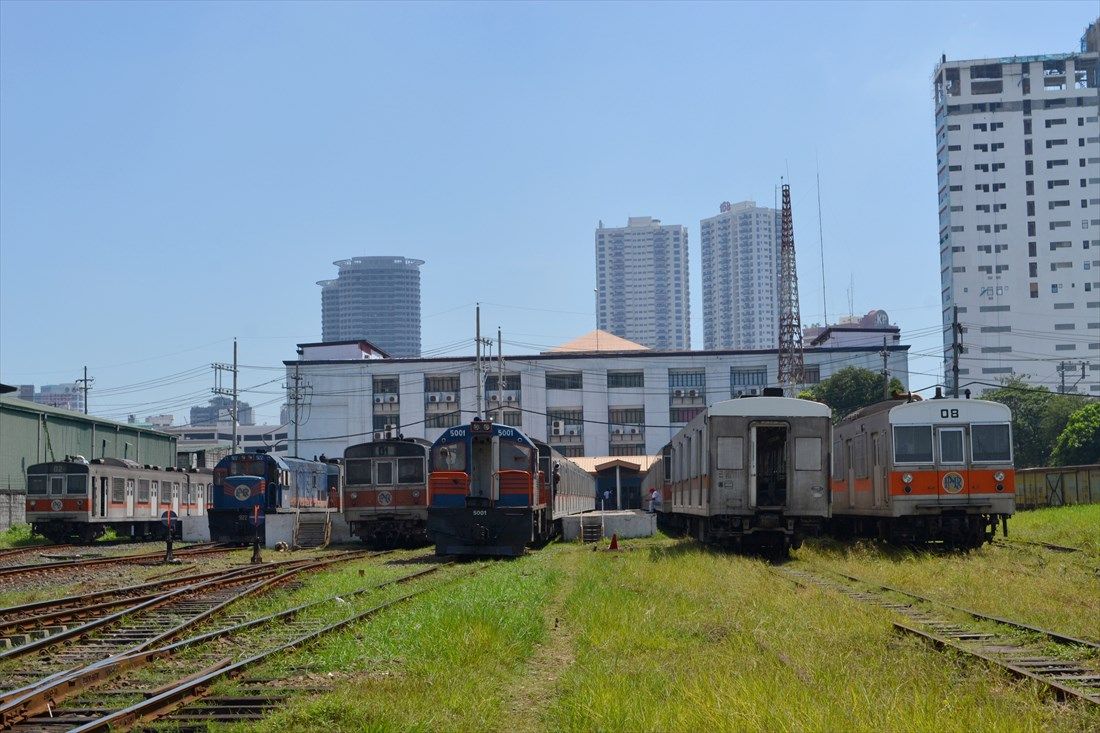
x=328 y=529
x=297 y=527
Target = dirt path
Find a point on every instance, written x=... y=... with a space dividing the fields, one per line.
x=534 y=690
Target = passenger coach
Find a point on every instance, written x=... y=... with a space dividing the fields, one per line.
x=750 y=473
x=77 y=500
x=933 y=470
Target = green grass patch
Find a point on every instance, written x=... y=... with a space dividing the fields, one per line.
x=1073 y=526
x=19 y=535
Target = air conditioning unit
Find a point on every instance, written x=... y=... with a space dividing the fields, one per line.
x=557 y=427
x=572 y=431
x=392 y=398
x=617 y=430
x=693 y=393
x=753 y=391
x=632 y=430
x=678 y=393
x=433 y=398
x=379 y=435
x=377 y=400
x=510 y=398
x=449 y=398
x=492 y=398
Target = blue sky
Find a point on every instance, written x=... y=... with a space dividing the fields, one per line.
x=173 y=175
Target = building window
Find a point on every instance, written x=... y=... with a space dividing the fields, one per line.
x=564 y=380
x=811 y=374
x=511 y=382
x=386 y=385
x=445 y=420
x=679 y=415
x=626 y=449
x=448 y=383
x=625 y=380
x=683 y=378
x=572 y=451
x=748 y=376
x=387 y=422
x=626 y=416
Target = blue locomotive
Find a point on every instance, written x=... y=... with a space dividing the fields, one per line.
x=494 y=491
x=250 y=484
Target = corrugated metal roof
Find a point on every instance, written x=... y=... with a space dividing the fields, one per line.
x=26 y=406
x=589 y=463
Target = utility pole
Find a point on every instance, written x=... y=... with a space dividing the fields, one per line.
x=295 y=399
x=86 y=384
x=477 y=351
x=500 y=375
x=956 y=349
x=1062 y=368
x=885 y=374
x=219 y=369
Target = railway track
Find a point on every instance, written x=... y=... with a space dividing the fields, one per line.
x=145 y=622
x=1019 y=648
x=17 y=571
x=129 y=689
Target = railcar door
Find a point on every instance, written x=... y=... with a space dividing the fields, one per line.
x=100 y=495
x=850 y=475
x=951 y=469
x=129 y=497
x=878 y=470
x=154 y=498
x=384 y=473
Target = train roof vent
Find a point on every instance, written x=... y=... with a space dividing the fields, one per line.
x=773 y=391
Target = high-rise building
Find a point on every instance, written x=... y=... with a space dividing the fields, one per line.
x=740 y=277
x=1018 y=159
x=220 y=409
x=376 y=299
x=642 y=283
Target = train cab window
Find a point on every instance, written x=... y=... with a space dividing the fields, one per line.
x=410 y=470
x=913 y=444
x=807 y=454
x=951 y=445
x=990 y=443
x=449 y=457
x=36 y=485
x=57 y=485
x=384 y=473
x=359 y=472
x=730 y=453
x=76 y=484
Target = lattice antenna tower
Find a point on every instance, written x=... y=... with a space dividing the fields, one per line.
x=791 y=366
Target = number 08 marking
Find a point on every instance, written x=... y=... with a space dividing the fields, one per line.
x=948 y=413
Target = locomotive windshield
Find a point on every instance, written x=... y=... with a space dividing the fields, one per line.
x=989 y=443
x=247 y=466
x=358 y=472
x=514 y=457
x=449 y=457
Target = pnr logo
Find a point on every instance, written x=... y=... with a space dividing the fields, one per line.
x=385 y=498
x=242 y=492
x=952 y=482
x=56 y=505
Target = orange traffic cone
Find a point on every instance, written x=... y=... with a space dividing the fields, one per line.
x=614 y=541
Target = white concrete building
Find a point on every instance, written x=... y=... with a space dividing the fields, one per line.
x=741 y=277
x=595 y=403
x=1018 y=154
x=642 y=291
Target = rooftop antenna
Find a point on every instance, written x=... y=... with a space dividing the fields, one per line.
x=821 y=245
x=851 y=294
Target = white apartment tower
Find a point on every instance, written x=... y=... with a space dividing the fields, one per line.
x=740 y=277
x=1018 y=156
x=642 y=283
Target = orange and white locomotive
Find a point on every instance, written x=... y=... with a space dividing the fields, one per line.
x=386 y=491
x=77 y=500
x=920 y=471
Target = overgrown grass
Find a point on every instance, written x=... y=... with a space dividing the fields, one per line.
x=1073 y=526
x=19 y=535
x=444 y=661
x=660 y=637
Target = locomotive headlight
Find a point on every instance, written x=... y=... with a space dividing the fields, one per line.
x=999 y=476
x=1000 y=487
x=817 y=491
x=907 y=478
x=354 y=495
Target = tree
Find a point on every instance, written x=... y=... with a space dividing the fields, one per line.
x=850 y=389
x=1038 y=417
x=1079 y=443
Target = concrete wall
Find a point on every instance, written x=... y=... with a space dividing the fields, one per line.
x=13 y=505
x=625 y=524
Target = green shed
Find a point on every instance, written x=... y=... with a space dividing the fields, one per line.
x=32 y=433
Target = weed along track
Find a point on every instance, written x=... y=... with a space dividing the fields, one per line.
x=1071 y=672
x=14 y=573
x=127 y=689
